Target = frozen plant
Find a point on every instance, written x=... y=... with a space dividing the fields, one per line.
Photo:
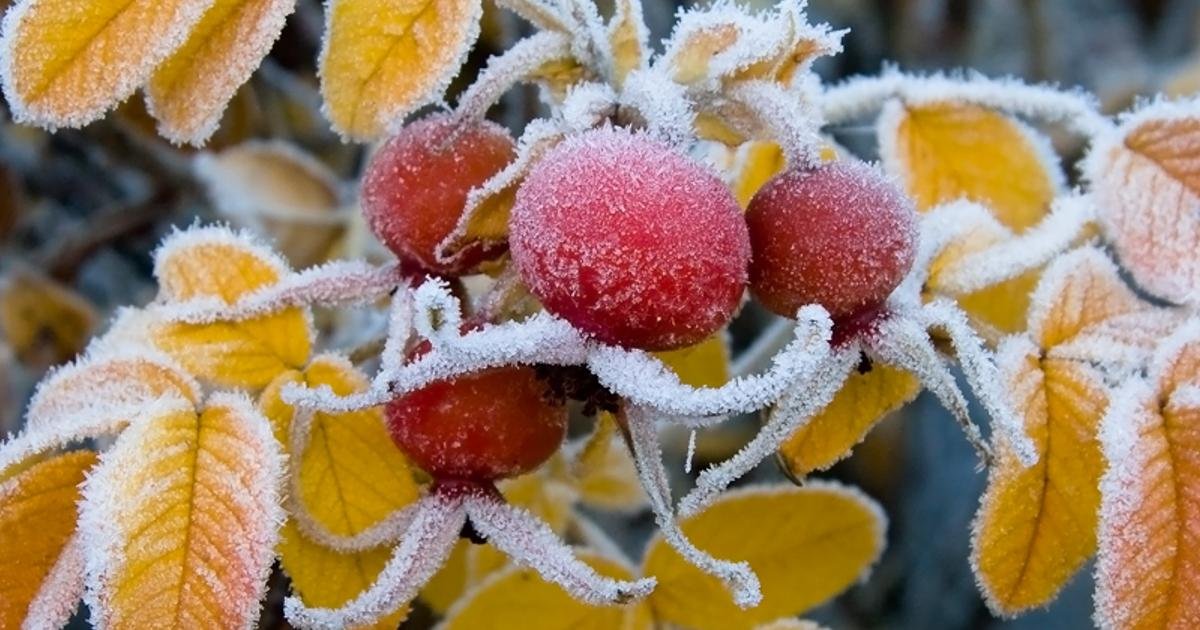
x=634 y=222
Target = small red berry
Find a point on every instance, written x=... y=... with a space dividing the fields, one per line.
x=630 y=241
x=480 y=427
x=840 y=235
x=416 y=185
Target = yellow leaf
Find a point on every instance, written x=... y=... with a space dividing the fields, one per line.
x=277 y=189
x=947 y=151
x=212 y=262
x=189 y=91
x=1147 y=186
x=44 y=322
x=1036 y=525
x=37 y=518
x=182 y=517
x=862 y=402
x=1148 y=571
x=695 y=51
x=1079 y=291
x=604 y=472
x=382 y=59
x=806 y=545
x=67 y=62
x=351 y=476
x=705 y=364
x=627 y=35
x=755 y=163
x=519 y=598
x=546 y=497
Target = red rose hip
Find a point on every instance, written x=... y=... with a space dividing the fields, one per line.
x=630 y=241
x=416 y=185
x=840 y=235
x=481 y=427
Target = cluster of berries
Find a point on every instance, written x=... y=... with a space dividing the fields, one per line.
x=631 y=242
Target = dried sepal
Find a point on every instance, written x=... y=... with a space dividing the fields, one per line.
x=525 y=60
x=628 y=39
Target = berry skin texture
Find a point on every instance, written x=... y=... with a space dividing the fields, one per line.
x=416 y=185
x=630 y=241
x=481 y=427
x=841 y=235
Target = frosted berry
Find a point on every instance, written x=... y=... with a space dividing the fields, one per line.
x=481 y=427
x=415 y=186
x=630 y=241
x=840 y=235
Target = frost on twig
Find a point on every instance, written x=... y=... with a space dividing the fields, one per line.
x=903 y=342
x=807 y=397
x=504 y=71
x=738 y=577
x=530 y=542
x=436 y=523
x=332 y=284
x=646 y=381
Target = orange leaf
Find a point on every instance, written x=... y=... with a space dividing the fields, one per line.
x=181 y=517
x=1079 y=290
x=1147 y=183
x=864 y=400
x=947 y=151
x=1036 y=524
x=189 y=91
x=382 y=59
x=67 y=62
x=1148 y=572
x=44 y=322
x=37 y=517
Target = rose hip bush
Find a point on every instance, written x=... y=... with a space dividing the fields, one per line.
x=585 y=271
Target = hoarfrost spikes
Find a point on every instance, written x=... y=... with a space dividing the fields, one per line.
x=738 y=577
x=61 y=591
x=531 y=543
x=504 y=71
x=437 y=521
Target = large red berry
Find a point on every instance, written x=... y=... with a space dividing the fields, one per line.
x=840 y=235
x=416 y=185
x=630 y=241
x=481 y=427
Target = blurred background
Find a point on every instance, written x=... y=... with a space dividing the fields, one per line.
x=82 y=210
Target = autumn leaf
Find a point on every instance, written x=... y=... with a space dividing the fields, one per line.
x=518 y=597
x=37 y=518
x=44 y=322
x=382 y=59
x=754 y=164
x=189 y=91
x=705 y=364
x=628 y=37
x=276 y=188
x=1036 y=524
x=603 y=470
x=350 y=477
x=215 y=263
x=1145 y=178
x=805 y=544
x=1148 y=571
x=65 y=63
x=181 y=519
x=865 y=399
x=946 y=151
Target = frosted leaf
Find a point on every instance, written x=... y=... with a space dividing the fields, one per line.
x=738 y=577
x=1121 y=345
x=589 y=40
x=901 y=341
x=980 y=369
x=628 y=40
x=807 y=397
x=530 y=542
x=857 y=97
x=338 y=283
x=517 y=64
x=176 y=247
x=661 y=104
x=644 y=380
x=1017 y=254
x=387 y=530
x=60 y=593
x=543 y=15
x=426 y=544
x=717 y=41
x=1146 y=181
x=269 y=180
x=786 y=118
x=587 y=105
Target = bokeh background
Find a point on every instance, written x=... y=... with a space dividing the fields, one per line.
x=81 y=211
